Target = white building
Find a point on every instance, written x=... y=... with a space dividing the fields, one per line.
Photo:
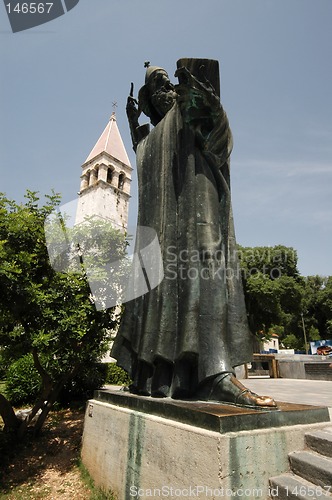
x=105 y=179
x=105 y=184
x=271 y=344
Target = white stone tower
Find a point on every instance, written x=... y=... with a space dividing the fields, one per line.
x=105 y=180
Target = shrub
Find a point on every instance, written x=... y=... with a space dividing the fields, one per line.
x=23 y=382
x=3 y=367
x=88 y=379
x=116 y=375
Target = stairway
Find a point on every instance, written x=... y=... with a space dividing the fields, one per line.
x=310 y=476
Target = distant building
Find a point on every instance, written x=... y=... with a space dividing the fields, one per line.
x=262 y=344
x=272 y=344
x=105 y=184
x=106 y=179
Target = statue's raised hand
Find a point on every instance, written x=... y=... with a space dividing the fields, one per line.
x=132 y=108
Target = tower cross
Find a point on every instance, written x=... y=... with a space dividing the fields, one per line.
x=114 y=106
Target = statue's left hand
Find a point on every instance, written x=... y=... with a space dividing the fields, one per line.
x=195 y=94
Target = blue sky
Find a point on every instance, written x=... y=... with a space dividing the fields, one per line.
x=59 y=80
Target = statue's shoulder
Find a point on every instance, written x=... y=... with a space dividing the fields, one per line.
x=142 y=131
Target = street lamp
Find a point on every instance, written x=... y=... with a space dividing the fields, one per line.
x=304 y=334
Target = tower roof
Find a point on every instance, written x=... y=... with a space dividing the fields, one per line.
x=110 y=142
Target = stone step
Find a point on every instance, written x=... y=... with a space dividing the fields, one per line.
x=312 y=467
x=288 y=486
x=320 y=441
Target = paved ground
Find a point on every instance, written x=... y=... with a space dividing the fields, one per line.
x=311 y=392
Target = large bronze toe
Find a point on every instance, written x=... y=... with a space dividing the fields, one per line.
x=228 y=390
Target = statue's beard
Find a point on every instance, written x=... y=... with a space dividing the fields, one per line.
x=163 y=99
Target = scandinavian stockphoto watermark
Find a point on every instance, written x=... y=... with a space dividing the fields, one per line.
x=223 y=264
x=201 y=491
x=116 y=272
x=24 y=15
x=119 y=270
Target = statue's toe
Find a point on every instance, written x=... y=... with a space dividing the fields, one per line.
x=228 y=390
x=250 y=399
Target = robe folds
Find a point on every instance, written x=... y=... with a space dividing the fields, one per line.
x=193 y=325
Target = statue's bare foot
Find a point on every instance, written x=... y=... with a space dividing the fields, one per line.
x=227 y=389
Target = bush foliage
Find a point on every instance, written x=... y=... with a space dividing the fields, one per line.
x=23 y=382
x=88 y=379
x=116 y=375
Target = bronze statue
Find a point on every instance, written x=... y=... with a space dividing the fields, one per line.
x=184 y=338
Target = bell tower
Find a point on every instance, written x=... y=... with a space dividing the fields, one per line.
x=105 y=179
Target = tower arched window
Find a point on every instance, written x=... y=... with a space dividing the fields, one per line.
x=93 y=177
x=121 y=180
x=109 y=175
x=87 y=177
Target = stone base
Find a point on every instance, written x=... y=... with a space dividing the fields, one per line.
x=141 y=447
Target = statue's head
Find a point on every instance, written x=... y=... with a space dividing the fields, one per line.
x=157 y=96
x=150 y=72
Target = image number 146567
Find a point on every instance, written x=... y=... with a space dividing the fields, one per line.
x=29 y=8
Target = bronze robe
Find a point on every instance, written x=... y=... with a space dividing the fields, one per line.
x=193 y=326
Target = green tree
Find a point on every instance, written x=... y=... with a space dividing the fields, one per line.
x=324 y=303
x=273 y=288
x=277 y=294
x=273 y=262
x=47 y=313
x=292 y=342
x=317 y=307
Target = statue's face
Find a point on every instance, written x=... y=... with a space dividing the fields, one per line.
x=158 y=80
x=161 y=91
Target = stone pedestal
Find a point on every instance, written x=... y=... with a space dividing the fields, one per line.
x=141 y=447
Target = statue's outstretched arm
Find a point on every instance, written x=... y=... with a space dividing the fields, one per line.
x=133 y=115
